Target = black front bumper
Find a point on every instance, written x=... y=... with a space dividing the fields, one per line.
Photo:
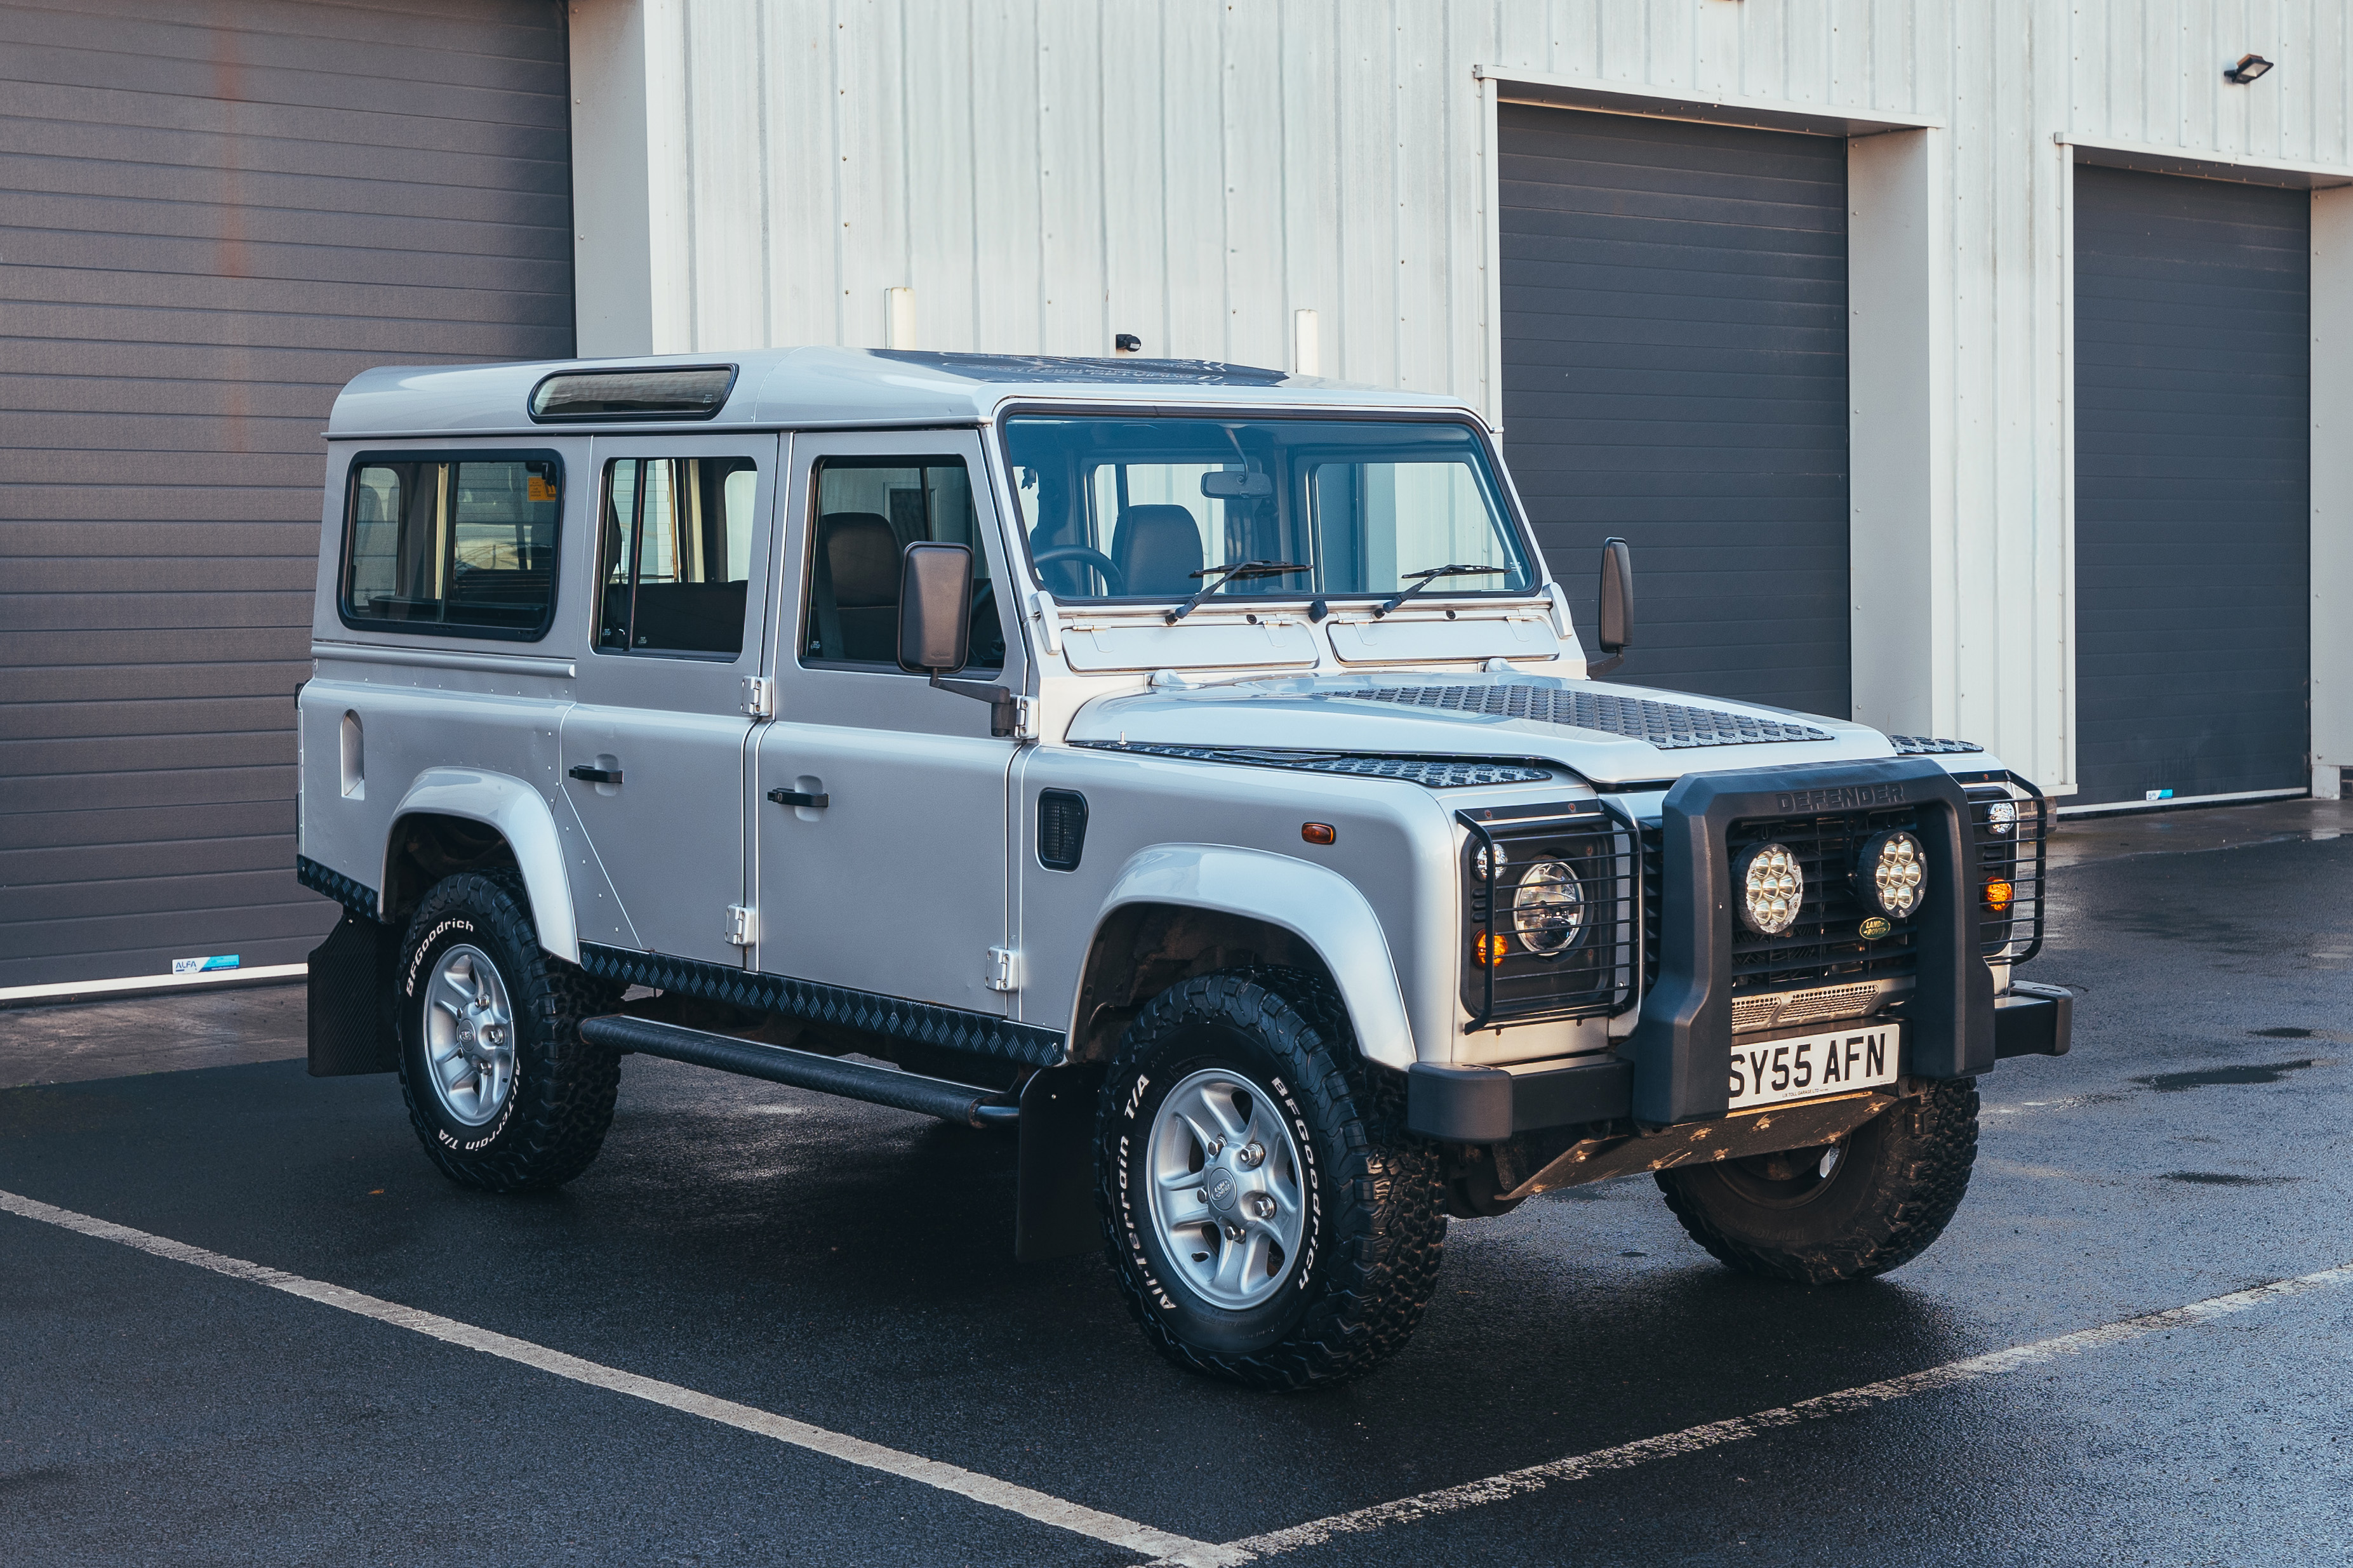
x=1671 y=1068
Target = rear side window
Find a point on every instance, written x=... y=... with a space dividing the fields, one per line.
x=458 y=544
x=674 y=555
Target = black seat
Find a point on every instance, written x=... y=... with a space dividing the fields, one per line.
x=856 y=590
x=1157 y=549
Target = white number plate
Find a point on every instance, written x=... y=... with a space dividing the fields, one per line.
x=1805 y=1067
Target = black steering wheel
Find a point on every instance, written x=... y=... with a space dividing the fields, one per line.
x=1114 y=580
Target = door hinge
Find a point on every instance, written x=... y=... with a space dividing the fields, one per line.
x=1004 y=969
x=743 y=926
x=759 y=699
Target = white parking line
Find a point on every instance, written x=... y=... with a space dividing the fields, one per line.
x=1535 y=1478
x=1160 y=1544
x=1169 y=1549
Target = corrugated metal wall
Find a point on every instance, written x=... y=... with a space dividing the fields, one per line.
x=211 y=218
x=1047 y=172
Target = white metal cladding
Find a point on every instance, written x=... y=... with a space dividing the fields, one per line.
x=1045 y=174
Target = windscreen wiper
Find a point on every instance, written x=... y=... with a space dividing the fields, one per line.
x=1233 y=573
x=1426 y=578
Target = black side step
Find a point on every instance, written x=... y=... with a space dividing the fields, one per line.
x=960 y=1103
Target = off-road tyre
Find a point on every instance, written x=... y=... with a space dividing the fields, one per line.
x=556 y=1114
x=1376 y=1224
x=1897 y=1182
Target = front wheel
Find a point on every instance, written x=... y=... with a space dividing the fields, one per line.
x=1270 y=1220
x=1844 y=1211
x=502 y=1089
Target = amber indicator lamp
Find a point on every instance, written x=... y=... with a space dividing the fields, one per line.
x=1318 y=832
x=1998 y=894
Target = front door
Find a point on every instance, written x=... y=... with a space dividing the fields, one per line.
x=896 y=884
x=654 y=750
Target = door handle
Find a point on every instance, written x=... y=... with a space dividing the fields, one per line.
x=588 y=774
x=795 y=797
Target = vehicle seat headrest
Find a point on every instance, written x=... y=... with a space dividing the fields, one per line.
x=862 y=558
x=1157 y=549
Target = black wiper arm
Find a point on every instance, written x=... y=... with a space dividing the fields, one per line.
x=1432 y=576
x=1233 y=573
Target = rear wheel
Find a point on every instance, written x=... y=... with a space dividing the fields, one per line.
x=501 y=1088
x=1873 y=1202
x=1270 y=1220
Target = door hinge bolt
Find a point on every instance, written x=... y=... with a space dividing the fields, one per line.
x=1004 y=969
x=743 y=926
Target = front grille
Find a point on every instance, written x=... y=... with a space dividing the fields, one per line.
x=1824 y=946
x=1595 y=974
x=2015 y=935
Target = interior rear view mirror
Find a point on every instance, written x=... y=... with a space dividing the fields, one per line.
x=1615 y=629
x=934 y=609
x=1233 y=484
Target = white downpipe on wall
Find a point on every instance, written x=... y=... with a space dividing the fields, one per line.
x=2332 y=489
x=1306 y=343
x=898 y=317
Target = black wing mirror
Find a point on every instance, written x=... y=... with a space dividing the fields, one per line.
x=1617 y=627
x=935 y=628
x=934 y=609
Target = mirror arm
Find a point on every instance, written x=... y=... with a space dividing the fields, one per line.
x=1005 y=709
x=1596 y=668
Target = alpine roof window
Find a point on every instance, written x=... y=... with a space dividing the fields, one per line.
x=452 y=543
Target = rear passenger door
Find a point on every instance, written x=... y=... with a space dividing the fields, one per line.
x=654 y=752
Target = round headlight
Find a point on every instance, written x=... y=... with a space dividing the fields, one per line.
x=1770 y=887
x=1549 y=909
x=2001 y=818
x=1892 y=874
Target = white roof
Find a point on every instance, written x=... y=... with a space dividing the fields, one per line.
x=796 y=387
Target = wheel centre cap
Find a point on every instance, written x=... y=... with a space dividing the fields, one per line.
x=1223 y=1190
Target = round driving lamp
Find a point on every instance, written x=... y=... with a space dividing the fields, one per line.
x=1892 y=874
x=1770 y=887
x=1549 y=909
x=2001 y=818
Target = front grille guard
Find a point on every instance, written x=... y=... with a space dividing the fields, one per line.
x=1597 y=975
x=2012 y=935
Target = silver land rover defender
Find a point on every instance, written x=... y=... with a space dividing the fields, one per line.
x=1191 y=768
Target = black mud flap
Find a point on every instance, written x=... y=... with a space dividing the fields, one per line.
x=352 y=1024
x=1055 y=1215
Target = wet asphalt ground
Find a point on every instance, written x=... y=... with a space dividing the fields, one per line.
x=851 y=1268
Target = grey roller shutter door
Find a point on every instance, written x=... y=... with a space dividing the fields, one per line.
x=211 y=217
x=1675 y=372
x=2192 y=486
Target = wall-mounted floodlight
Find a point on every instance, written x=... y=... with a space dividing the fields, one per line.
x=2249 y=68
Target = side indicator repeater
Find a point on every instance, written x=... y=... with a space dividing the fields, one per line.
x=1318 y=832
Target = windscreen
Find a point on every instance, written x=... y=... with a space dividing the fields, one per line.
x=1152 y=508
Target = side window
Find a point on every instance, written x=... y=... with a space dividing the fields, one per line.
x=674 y=555
x=868 y=510
x=462 y=545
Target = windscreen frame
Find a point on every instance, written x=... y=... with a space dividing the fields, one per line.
x=1494 y=478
